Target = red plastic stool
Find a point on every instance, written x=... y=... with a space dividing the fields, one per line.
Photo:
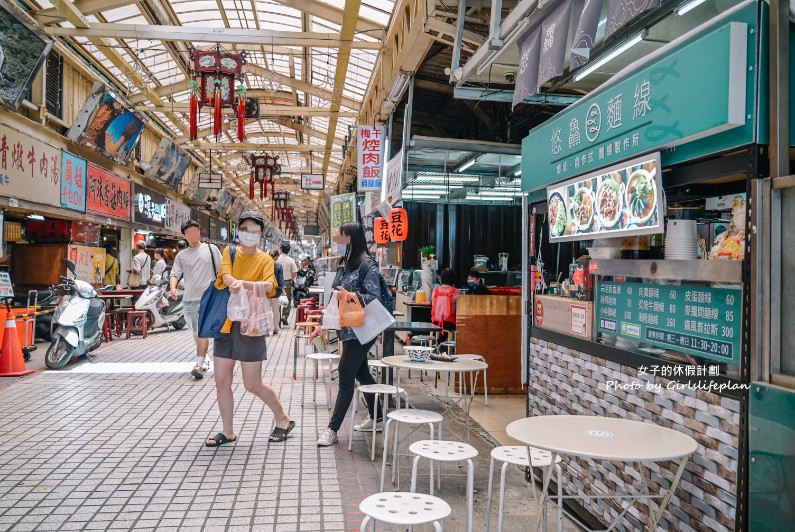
x=310 y=301
x=107 y=328
x=300 y=312
x=141 y=326
x=120 y=317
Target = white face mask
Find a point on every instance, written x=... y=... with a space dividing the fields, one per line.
x=248 y=239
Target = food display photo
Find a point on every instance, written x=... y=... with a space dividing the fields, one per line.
x=623 y=199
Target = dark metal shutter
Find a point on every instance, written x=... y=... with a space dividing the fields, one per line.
x=54 y=95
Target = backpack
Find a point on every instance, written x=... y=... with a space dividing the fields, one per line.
x=442 y=306
x=385 y=298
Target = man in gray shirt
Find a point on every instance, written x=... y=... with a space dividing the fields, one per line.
x=141 y=264
x=198 y=264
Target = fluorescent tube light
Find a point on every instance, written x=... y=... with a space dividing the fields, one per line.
x=689 y=7
x=399 y=87
x=35 y=217
x=612 y=55
x=517 y=173
x=441 y=180
x=467 y=164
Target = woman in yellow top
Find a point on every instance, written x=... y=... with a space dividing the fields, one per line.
x=252 y=266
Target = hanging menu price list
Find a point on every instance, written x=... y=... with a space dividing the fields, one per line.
x=700 y=321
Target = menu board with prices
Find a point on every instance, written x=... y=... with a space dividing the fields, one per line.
x=700 y=321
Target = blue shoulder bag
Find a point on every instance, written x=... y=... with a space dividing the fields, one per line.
x=212 y=309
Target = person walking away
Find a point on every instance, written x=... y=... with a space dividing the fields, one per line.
x=357 y=273
x=251 y=267
x=290 y=271
x=198 y=266
x=274 y=301
x=160 y=262
x=141 y=265
x=475 y=284
x=444 y=301
x=111 y=267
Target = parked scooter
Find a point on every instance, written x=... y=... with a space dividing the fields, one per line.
x=77 y=322
x=163 y=310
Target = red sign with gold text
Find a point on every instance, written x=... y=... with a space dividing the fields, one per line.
x=108 y=194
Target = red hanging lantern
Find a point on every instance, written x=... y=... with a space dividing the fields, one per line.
x=398 y=225
x=217 y=71
x=381 y=230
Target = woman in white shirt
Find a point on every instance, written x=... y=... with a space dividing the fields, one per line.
x=160 y=262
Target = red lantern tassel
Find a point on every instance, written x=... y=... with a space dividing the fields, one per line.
x=251 y=188
x=217 y=118
x=262 y=188
x=273 y=187
x=194 y=117
x=241 y=119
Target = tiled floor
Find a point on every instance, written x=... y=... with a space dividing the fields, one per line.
x=119 y=444
x=502 y=409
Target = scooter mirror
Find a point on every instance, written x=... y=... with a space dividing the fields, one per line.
x=71 y=267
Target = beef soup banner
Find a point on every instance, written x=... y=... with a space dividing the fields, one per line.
x=622 y=200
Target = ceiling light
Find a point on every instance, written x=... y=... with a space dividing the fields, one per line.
x=468 y=164
x=689 y=7
x=626 y=45
x=443 y=180
x=399 y=87
x=35 y=217
x=517 y=173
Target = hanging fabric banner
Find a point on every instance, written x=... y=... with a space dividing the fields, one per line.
x=527 y=78
x=370 y=153
x=554 y=37
x=585 y=35
x=621 y=12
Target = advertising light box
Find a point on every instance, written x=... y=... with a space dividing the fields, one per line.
x=622 y=200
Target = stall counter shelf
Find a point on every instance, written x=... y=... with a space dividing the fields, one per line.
x=564 y=315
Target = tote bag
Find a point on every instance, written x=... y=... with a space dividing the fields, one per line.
x=376 y=319
x=212 y=309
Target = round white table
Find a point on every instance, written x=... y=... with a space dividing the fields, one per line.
x=319 y=291
x=611 y=439
x=458 y=366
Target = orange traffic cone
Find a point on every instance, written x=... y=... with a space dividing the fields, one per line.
x=12 y=362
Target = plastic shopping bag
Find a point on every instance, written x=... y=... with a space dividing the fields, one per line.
x=351 y=310
x=237 y=307
x=331 y=314
x=260 y=317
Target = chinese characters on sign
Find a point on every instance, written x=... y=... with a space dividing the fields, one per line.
x=370 y=157
x=73 y=182
x=312 y=181
x=381 y=230
x=89 y=263
x=107 y=194
x=176 y=215
x=700 y=321
x=149 y=207
x=343 y=210
x=29 y=169
x=398 y=225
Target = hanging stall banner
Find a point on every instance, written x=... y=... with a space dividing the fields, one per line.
x=343 y=210
x=149 y=207
x=85 y=233
x=176 y=215
x=656 y=107
x=554 y=37
x=620 y=12
x=29 y=169
x=370 y=157
x=89 y=263
x=315 y=182
x=392 y=189
x=369 y=232
x=529 y=59
x=168 y=165
x=107 y=194
x=701 y=321
x=585 y=35
x=49 y=231
x=622 y=200
x=73 y=182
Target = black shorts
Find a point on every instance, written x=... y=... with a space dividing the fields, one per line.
x=240 y=347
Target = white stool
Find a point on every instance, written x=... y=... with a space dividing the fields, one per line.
x=406 y=509
x=517 y=455
x=446 y=451
x=317 y=359
x=410 y=416
x=479 y=358
x=377 y=390
x=376 y=363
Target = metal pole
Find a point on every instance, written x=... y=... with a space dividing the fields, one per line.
x=459 y=39
x=407 y=131
x=779 y=88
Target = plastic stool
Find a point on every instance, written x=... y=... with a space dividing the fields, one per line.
x=317 y=358
x=142 y=325
x=517 y=455
x=120 y=314
x=296 y=340
x=410 y=416
x=446 y=451
x=479 y=358
x=107 y=328
x=405 y=509
x=377 y=390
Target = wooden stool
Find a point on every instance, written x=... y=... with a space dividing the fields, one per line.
x=107 y=328
x=305 y=327
x=141 y=326
x=120 y=315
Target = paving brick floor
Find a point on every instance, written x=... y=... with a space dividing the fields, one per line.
x=119 y=445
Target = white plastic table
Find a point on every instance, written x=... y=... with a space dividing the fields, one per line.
x=318 y=291
x=610 y=439
x=458 y=366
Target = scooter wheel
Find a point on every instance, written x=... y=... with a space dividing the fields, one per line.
x=57 y=355
x=180 y=323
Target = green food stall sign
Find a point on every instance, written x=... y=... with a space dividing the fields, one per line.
x=700 y=321
x=699 y=96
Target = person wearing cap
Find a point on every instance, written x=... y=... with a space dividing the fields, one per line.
x=197 y=265
x=252 y=269
x=475 y=284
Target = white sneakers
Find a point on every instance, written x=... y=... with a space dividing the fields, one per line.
x=368 y=425
x=329 y=437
